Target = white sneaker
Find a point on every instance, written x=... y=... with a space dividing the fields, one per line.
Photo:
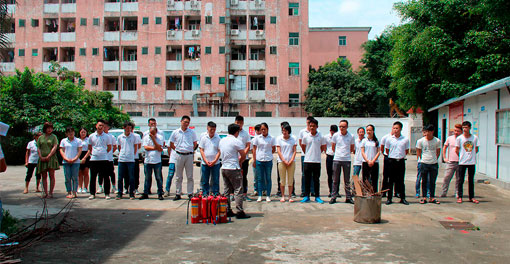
x=259 y=199
x=107 y=197
x=268 y=199
x=115 y=190
x=136 y=192
x=92 y=197
x=100 y=190
x=84 y=190
x=79 y=190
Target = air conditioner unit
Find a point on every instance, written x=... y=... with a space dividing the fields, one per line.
x=234 y=2
x=259 y=32
x=170 y=3
x=195 y=32
x=170 y=33
x=258 y=2
x=234 y=32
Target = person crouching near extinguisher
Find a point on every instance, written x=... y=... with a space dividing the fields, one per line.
x=233 y=153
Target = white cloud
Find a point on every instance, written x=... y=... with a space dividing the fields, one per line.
x=349 y=6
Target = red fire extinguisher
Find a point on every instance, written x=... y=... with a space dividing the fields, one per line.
x=195 y=209
x=223 y=209
x=214 y=209
x=204 y=210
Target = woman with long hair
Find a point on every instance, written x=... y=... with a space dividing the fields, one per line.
x=370 y=153
x=47 y=145
x=70 y=150
x=263 y=149
x=83 y=176
x=286 y=148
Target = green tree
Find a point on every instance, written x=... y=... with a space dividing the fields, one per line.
x=447 y=48
x=29 y=99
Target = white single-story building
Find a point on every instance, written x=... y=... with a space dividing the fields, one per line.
x=488 y=110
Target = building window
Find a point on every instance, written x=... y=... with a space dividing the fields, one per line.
x=273 y=20
x=134 y=113
x=222 y=80
x=157 y=50
x=208 y=19
x=293 y=100
x=83 y=51
x=144 y=80
x=145 y=21
x=22 y=23
x=95 y=22
x=257 y=83
x=207 y=50
x=95 y=51
x=166 y=114
x=294 y=38
x=35 y=52
x=273 y=80
x=293 y=68
x=273 y=50
x=342 y=41
x=35 y=22
x=157 y=80
x=158 y=20
x=503 y=127
x=263 y=114
x=83 y=21
x=222 y=20
x=94 y=81
x=222 y=50
x=145 y=50
x=21 y=52
x=207 y=80
x=293 y=9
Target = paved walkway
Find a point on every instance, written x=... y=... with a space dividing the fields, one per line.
x=153 y=231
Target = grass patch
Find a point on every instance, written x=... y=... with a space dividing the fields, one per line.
x=10 y=224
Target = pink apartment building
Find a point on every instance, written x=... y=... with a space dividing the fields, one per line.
x=172 y=58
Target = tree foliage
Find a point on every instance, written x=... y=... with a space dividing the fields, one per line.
x=29 y=99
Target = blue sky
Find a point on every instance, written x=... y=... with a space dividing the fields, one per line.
x=353 y=13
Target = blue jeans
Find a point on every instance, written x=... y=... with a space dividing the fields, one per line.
x=429 y=175
x=171 y=172
x=149 y=168
x=356 y=169
x=211 y=174
x=255 y=187
x=418 y=180
x=264 y=169
x=71 y=171
x=126 y=174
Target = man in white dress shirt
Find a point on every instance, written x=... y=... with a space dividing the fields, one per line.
x=210 y=167
x=397 y=148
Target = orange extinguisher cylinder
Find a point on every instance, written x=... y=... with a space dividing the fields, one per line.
x=223 y=209
x=195 y=210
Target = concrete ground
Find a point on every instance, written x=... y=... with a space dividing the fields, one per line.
x=153 y=231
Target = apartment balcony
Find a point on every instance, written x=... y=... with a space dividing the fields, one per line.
x=257 y=35
x=257 y=5
x=115 y=95
x=111 y=65
x=173 y=95
x=257 y=65
x=69 y=65
x=130 y=7
x=128 y=95
x=192 y=65
x=238 y=95
x=172 y=5
x=254 y=95
x=11 y=9
x=112 y=7
x=51 y=8
x=173 y=65
x=68 y=36
x=174 y=35
x=192 y=34
x=130 y=36
x=46 y=66
x=51 y=37
x=10 y=37
x=111 y=36
x=192 y=5
x=237 y=34
x=188 y=94
x=69 y=8
x=237 y=4
x=238 y=65
x=129 y=65
x=7 y=67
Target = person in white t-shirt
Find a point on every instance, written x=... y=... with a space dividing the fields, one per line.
x=303 y=132
x=99 y=146
x=83 y=176
x=397 y=148
x=343 y=145
x=255 y=187
x=70 y=150
x=111 y=166
x=329 y=158
x=370 y=152
x=152 y=123
x=184 y=142
x=313 y=144
x=428 y=149
x=31 y=159
x=171 y=169
x=210 y=167
x=452 y=160
x=244 y=136
x=286 y=149
x=153 y=144
x=128 y=148
x=263 y=149
x=358 y=158
x=467 y=148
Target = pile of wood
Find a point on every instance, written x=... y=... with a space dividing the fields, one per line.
x=364 y=188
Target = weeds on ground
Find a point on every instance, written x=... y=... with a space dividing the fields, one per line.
x=10 y=224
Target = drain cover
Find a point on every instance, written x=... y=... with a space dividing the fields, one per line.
x=456 y=225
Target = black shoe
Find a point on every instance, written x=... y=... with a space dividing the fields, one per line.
x=388 y=202
x=160 y=197
x=242 y=215
x=177 y=197
x=293 y=195
x=403 y=201
x=332 y=201
x=349 y=200
x=119 y=196
x=329 y=195
x=302 y=195
x=279 y=194
x=230 y=213
x=144 y=196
